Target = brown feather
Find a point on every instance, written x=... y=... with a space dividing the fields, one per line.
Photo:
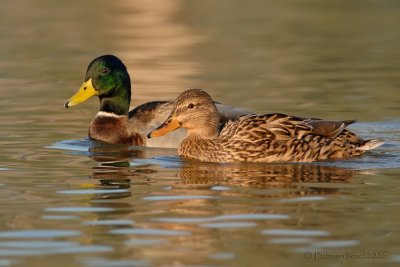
x=104 y=128
x=271 y=137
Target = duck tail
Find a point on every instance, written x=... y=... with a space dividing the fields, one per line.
x=348 y=122
x=370 y=144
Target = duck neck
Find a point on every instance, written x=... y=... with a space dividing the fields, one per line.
x=207 y=131
x=117 y=102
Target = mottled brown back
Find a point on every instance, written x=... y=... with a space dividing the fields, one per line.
x=275 y=138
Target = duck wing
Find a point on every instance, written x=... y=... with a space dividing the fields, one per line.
x=148 y=111
x=330 y=129
x=277 y=126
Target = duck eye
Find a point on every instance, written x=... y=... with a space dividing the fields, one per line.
x=191 y=105
x=105 y=70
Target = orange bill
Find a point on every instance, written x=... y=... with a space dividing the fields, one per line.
x=168 y=126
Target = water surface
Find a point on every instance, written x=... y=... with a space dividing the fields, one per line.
x=70 y=201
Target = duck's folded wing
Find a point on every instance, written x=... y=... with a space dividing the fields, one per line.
x=329 y=129
x=147 y=111
x=150 y=115
x=296 y=127
x=277 y=126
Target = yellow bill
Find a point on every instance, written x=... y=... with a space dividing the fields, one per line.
x=168 y=126
x=84 y=93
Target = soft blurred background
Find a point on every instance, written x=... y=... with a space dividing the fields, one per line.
x=333 y=59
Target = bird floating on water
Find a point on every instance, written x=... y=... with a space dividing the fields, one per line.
x=270 y=137
x=108 y=78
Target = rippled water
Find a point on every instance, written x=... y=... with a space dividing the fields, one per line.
x=70 y=201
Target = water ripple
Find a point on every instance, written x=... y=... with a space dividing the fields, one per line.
x=253 y=216
x=220 y=188
x=303 y=199
x=59 y=217
x=289 y=241
x=336 y=243
x=37 y=244
x=56 y=250
x=149 y=231
x=83 y=249
x=73 y=145
x=39 y=233
x=92 y=191
x=109 y=222
x=244 y=216
x=228 y=225
x=102 y=262
x=395 y=258
x=222 y=256
x=163 y=161
x=295 y=232
x=181 y=197
x=145 y=242
x=79 y=209
x=5 y=262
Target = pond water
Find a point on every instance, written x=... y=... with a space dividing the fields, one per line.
x=70 y=201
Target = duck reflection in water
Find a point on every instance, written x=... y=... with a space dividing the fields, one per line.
x=154 y=193
x=115 y=168
x=266 y=175
x=121 y=154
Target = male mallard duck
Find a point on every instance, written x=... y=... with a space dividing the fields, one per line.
x=108 y=78
x=258 y=138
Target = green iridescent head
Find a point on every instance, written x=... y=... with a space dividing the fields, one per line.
x=107 y=78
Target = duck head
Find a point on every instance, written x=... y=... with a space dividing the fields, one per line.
x=107 y=78
x=193 y=110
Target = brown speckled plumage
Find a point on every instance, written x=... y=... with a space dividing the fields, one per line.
x=262 y=138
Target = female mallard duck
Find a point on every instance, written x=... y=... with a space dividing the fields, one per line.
x=108 y=78
x=258 y=138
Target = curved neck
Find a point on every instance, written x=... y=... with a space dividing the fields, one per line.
x=207 y=129
x=117 y=102
x=203 y=133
